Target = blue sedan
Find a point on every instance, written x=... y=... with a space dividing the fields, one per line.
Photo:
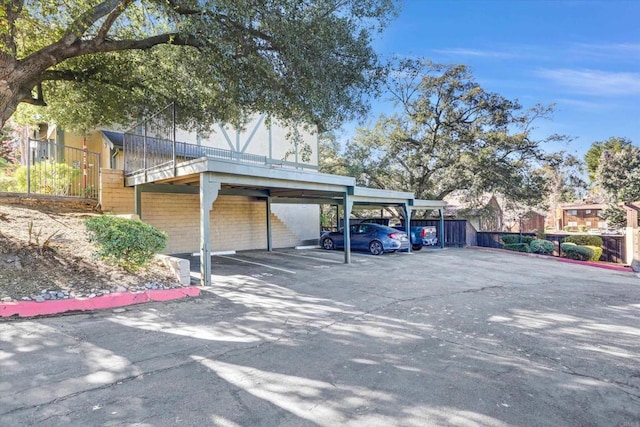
x=374 y=238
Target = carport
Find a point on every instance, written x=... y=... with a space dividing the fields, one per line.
x=210 y=177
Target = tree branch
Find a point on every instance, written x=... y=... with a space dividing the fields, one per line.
x=87 y=19
x=108 y=23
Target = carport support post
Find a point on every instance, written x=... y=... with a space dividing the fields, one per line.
x=269 y=235
x=407 y=223
x=348 y=206
x=208 y=194
x=441 y=212
x=137 y=202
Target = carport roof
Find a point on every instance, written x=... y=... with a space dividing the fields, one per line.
x=283 y=185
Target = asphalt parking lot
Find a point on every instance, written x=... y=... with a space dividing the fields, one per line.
x=438 y=337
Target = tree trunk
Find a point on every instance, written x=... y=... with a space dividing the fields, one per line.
x=16 y=84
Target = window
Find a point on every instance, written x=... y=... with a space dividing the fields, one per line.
x=573 y=212
x=588 y=223
x=572 y=223
x=588 y=211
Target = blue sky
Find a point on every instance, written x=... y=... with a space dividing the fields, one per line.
x=584 y=56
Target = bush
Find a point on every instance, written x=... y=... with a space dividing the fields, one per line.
x=567 y=228
x=541 y=246
x=48 y=177
x=127 y=243
x=577 y=252
x=597 y=253
x=582 y=228
x=518 y=247
x=584 y=240
x=509 y=239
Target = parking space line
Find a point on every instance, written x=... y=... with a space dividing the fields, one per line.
x=309 y=257
x=257 y=263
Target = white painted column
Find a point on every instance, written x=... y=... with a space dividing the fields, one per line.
x=269 y=234
x=348 y=206
x=407 y=224
x=209 y=189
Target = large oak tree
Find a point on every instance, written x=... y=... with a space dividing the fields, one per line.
x=450 y=134
x=97 y=62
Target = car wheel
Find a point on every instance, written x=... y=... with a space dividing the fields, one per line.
x=416 y=247
x=328 y=244
x=376 y=248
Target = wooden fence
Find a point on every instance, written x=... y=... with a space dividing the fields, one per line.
x=613 y=247
x=455 y=231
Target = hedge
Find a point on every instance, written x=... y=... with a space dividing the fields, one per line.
x=597 y=252
x=127 y=243
x=584 y=240
x=577 y=252
x=541 y=246
x=518 y=247
x=509 y=239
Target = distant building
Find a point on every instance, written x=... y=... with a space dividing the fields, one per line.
x=574 y=216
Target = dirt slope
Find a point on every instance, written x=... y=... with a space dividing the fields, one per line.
x=66 y=263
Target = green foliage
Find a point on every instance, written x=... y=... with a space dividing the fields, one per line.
x=540 y=233
x=517 y=247
x=597 y=253
x=618 y=174
x=449 y=135
x=127 y=243
x=584 y=240
x=540 y=246
x=577 y=252
x=615 y=216
x=47 y=177
x=592 y=157
x=567 y=228
x=582 y=228
x=105 y=62
x=508 y=239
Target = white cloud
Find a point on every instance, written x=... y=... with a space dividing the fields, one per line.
x=594 y=82
x=618 y=51
x=474 y=52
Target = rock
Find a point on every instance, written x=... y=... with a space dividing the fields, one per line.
x=60 y=294
x=46 y=296
x=121 y=289
x=92 y=295
x=39 y=299
x=119 y=310
x=6 y=299
x=17 y=265
x=25 y=299
x=99 y=294
x=154 y=286
x=46 y=291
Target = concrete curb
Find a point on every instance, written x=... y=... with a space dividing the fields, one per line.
x=558 y=259
x=121 y=299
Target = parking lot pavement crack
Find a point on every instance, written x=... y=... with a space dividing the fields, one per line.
x=623 y=387
x=120 y=381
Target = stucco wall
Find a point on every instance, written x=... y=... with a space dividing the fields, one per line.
x=302 y=220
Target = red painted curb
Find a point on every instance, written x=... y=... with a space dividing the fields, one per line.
x=559 y=259
x=32 y=308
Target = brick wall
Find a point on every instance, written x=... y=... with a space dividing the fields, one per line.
x=237 y=223
x=114 y=196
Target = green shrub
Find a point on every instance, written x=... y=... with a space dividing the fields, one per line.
x=541 y=246
x=517 y=247
x=584 y=240
x=582 y=228
x=48 y=177
x=597 y=252
x=127 y=243
x=509 y=239
x=573 y=251
x=567 y=228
